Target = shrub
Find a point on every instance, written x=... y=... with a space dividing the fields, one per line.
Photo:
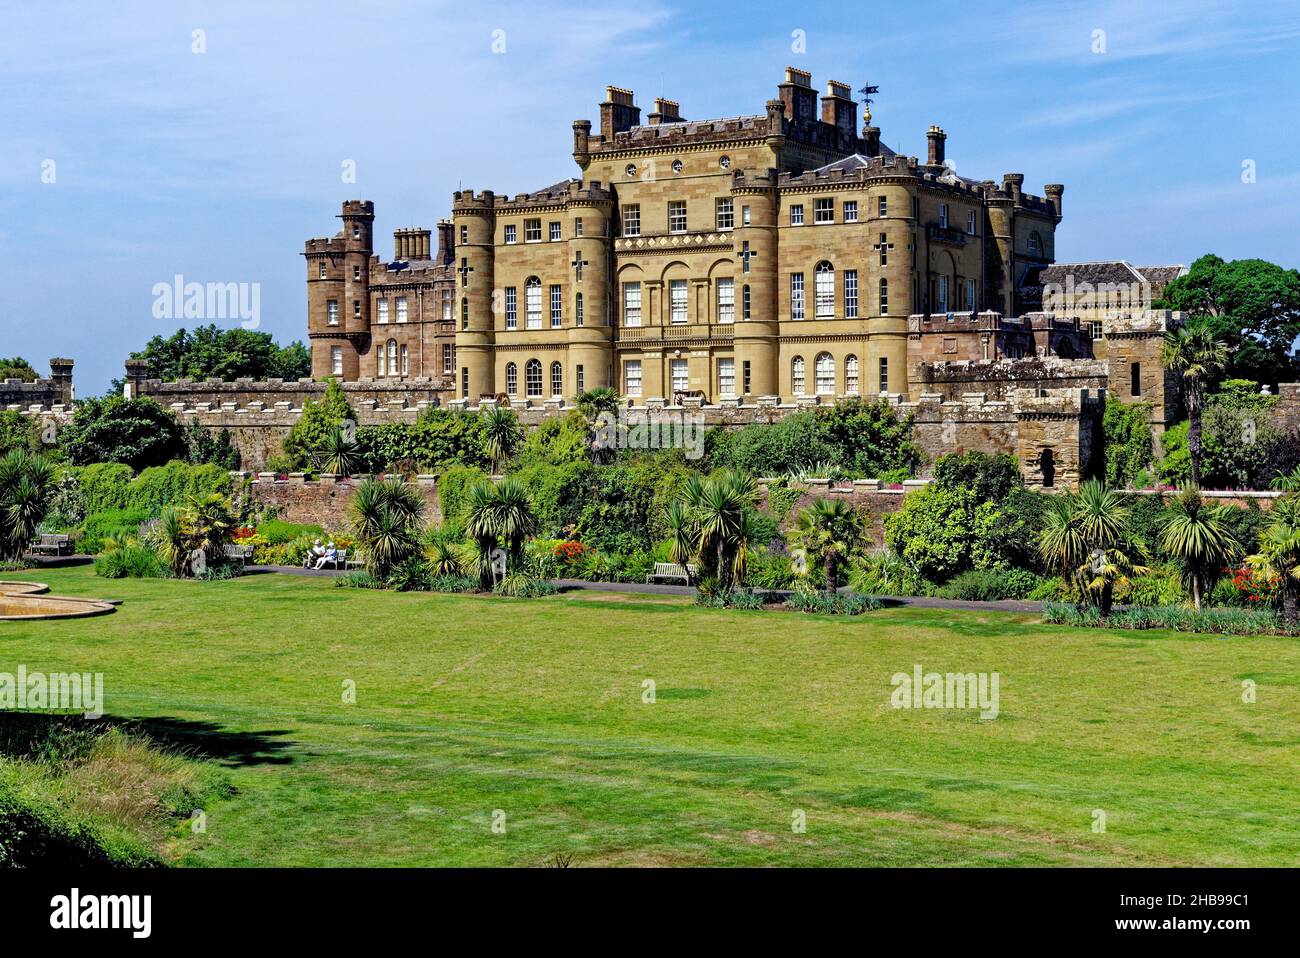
x=138 y=433
x=319 y=420
x=520 y=585
x=1220 y=621
x=359 y=579
x=275 y=532
x=1127 y=434
x=110 y=524
x=411 y=575
x=129 y=561
x=989 y=585
x=838 y=603
x=454 y=486
x=453 y=583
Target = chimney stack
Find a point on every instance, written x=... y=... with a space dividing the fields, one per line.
x=797 y=95
x=839 y=108
x=936 y=139
x=618 y=114
x=1054 y=191
x=446 y=242
x=871 y=136
x=665 y=111
x=1011 y=184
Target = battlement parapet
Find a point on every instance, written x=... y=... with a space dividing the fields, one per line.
x=44 y=392
x=681 y=132
x=1149 y=322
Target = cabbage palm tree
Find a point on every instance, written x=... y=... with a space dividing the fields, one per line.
x=500 y=515
x=1197 y=536
x=1086 y=537
x=26 y=484
x=833 y=533
x=386 y=515
x=681 y=535
x=1196 y=356
x=169 y=540
x=500 y=435
x=712 y=522
x=1279 y=554
x=339 y=454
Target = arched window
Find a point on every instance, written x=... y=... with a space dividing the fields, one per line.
x=798 y=383
x=533 y=378
x=392 y=357
x=824 y=373
x=850 y=374
x=512 y=379
x=557 y=380
x=533 y=303
x=824 y=289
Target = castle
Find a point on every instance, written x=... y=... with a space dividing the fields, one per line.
x=743 y=267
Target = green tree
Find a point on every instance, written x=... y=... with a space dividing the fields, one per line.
x=499 y=515
x=1126 y=430
x=1197 y=357
x=1198 y=537
x=1251 y=305
x=339 y=453
x=712 y=522
x=833 y=533
x=17 y=368
x=210 y=352
x=137 y=432
x=318 y=422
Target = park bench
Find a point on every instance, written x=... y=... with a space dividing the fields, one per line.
x=238 y=554
x=672 y=570
x=52 y=545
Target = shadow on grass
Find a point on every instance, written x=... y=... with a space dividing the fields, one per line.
x=40 y=734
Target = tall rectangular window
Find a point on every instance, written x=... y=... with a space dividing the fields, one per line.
x=632 y=306
x=680 y=378
x=727 y=377
x=970 y=295
x=555 y=232
x=884 y=374
x=511 y=233
x=577 y=306
x=883 y=246
x=383 y=310
x=851 y=293
x=883 y=207
x=356 y=274
x=746 y=378
x=447 y=365
x=356 y=309
x=321 y=272
x=632 y=219
x=632 y=377
x=884 y=297
x=943 y=216
x=532 y=231
x=579 y=379
x=744 y=302
x=970 y=222
x=725 y=215
x=943 y=294
x=726 y=300
x=446 y=305
x=796 y=215
x=336 y=360
x=557 y=306
x=824 y=210
x=850 y=211
x=332 y=312
x=406 y=366
x=677 y=294
x=677 y=216
x=577 y=226
x=401 y=309
x=796 y=296
x=464 y=381
x=1135 y=379
x=533 y=303
x=744 y=215
x=512 y=307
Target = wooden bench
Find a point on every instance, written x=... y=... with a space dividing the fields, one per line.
x=51 y=544
x=673 y=570
x=238 y=554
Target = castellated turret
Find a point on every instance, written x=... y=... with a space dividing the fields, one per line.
x=338 y=293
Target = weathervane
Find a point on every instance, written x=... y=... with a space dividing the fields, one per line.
x=866 y=92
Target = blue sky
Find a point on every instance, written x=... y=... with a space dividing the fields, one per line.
x=217 y=165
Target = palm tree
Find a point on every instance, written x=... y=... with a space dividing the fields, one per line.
x=1279 y=554
x=169 y=541
x=1196 y=535
x=500 y=515
x=593 y=402
x=208 y=524
x=339 y=454
x=681 y=535
x=501 y=435
x=386 y=515
x=833 y=532
x=1086 y=537
x=713 y=523
x=25 y=487
x=1196 y=356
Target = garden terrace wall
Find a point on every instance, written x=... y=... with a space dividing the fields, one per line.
x=324 y=501
x=42 y=394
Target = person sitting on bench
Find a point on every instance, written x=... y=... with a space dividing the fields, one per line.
x=330 y=555
x=314 y=554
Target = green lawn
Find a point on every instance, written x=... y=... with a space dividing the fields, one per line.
x=468 y=705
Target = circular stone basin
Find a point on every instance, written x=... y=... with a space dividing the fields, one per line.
x=27 y=600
